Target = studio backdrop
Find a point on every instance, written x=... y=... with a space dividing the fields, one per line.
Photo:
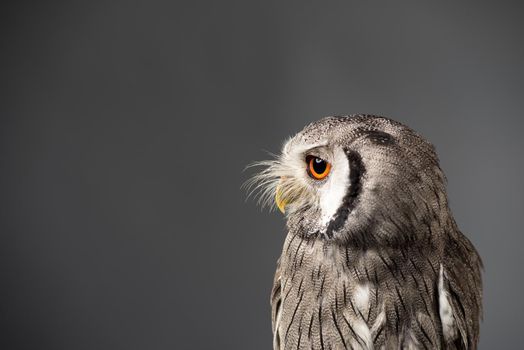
x=126 y=127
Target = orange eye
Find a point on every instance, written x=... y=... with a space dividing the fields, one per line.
x=317 y=168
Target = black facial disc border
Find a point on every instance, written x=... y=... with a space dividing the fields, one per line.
x=356 y=170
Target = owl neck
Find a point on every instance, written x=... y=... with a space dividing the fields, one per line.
x=431 y=229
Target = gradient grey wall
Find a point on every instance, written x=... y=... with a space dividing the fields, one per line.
x=125 y=127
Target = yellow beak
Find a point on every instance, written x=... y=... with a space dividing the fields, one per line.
x=280 y=201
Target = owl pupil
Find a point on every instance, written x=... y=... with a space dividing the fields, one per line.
x=319 y=165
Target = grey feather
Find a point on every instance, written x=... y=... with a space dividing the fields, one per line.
x=369 y=277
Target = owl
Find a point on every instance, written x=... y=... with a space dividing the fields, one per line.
x=373 y=258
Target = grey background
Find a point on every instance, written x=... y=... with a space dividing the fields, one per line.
x=125 y=127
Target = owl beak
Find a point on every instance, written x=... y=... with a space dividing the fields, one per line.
x=283 y=195
x=280 y=200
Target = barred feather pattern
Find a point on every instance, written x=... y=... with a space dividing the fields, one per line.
x=315 y=295
x=396 y=272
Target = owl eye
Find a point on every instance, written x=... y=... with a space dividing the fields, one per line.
x=317 y=168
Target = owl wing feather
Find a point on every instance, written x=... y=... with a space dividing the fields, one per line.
x=276 y=306
x=463 y=288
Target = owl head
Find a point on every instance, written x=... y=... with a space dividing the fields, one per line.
x=361 y=179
